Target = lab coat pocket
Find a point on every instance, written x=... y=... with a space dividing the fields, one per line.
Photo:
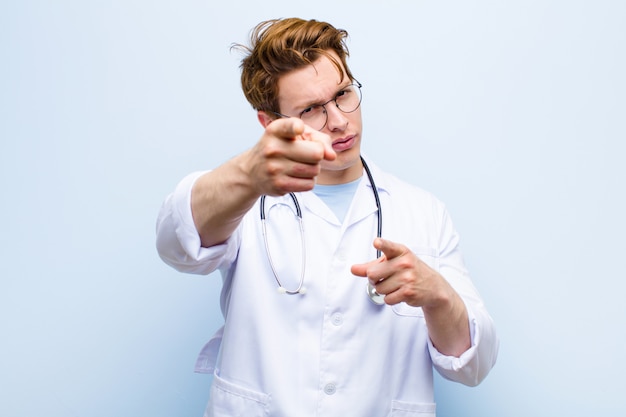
x=228 y=399
x=403 y=309
x=428 y=256
x=405 y=409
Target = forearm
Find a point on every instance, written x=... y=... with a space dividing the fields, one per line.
x=220 y=199
x=448 y=325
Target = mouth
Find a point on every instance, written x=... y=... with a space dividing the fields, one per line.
x=343 y=144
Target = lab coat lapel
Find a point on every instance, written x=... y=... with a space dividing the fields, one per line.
x=314 y=205
x=363 y=204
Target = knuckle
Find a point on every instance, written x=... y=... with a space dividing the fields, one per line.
x=271 y=150
x=408 y=293
x=405 y=263
x=273 y=169
x=306 y=171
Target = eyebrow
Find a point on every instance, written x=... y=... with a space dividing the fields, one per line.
x=319 y=102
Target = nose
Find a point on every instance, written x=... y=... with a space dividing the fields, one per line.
x=336 y=119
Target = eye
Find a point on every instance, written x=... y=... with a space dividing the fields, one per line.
x=344 y=95
x=307 y=110
x=312 y=111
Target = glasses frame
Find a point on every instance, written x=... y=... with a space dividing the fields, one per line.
x=355 y=83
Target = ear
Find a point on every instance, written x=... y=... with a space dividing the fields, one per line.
x=264 y=118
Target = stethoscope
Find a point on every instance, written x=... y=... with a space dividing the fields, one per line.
x=371 y=290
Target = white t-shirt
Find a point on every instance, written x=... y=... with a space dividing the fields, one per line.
x=338 y=197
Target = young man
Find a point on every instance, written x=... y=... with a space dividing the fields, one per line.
x=358 y=321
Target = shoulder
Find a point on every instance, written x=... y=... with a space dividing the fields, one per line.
x=403 y=192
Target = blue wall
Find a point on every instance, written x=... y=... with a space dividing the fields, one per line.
x=511 y=112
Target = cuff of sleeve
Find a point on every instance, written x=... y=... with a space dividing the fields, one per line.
x=186 y=231
x=452 y=363
x=197 y=259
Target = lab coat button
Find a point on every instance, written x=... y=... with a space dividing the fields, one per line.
x=337 y=319
x=330 y=389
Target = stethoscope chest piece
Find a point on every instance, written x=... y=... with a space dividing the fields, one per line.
x=376 y=298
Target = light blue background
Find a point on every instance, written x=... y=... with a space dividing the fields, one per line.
x=512 y=112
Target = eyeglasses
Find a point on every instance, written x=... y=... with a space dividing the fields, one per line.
x=347 y=100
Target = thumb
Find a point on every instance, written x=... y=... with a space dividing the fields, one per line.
x=389 y=248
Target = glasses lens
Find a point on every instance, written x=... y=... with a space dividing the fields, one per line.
x=349 y=99
x=314 y=116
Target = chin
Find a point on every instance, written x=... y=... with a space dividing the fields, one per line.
x=347 y=167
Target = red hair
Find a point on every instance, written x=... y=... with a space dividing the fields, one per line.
x=282 y=45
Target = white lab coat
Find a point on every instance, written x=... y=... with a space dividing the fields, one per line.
x=330 y=352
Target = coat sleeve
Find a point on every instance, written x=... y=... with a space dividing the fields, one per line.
x=474 y=364
x=178 y=241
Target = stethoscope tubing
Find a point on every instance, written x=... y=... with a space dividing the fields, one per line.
x=281 y=288
x=371 y=290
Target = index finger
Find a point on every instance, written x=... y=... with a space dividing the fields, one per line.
x=293 y=128
x=361 y=270
x=287 y=128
